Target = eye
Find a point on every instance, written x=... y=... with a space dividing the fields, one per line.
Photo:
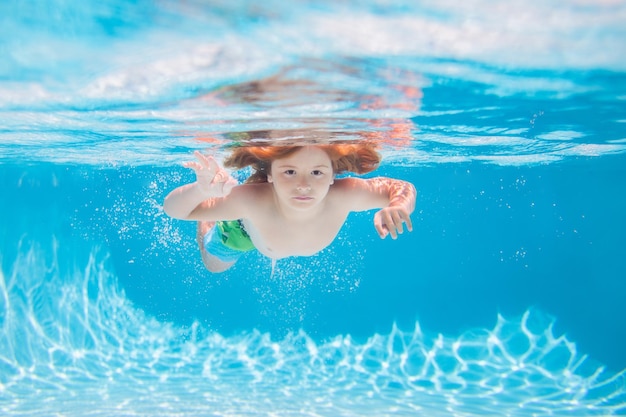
x=290 y=171
x=317 y=173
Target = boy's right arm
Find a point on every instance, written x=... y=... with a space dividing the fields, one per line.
x=212 y=185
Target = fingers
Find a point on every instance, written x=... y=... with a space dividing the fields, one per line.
x=207 y=162
x=211 y=179
x=228 y=185
x=393 y=223
x=192 y=165
x=390 y=222
x=202 y=162
x=381 y=229
x=207 y=168
x=382 y=224
x=409 y=225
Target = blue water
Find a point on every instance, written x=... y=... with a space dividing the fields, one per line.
x=506 y=300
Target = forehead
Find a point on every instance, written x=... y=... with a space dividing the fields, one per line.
x=307 y=155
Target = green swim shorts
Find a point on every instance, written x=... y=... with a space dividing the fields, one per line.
x=227 y=240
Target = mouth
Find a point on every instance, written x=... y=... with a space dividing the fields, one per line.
x=302 y=198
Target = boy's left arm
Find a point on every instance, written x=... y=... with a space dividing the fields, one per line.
x=395 y=198
x=402 y=195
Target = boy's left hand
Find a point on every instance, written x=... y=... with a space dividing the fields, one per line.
x=389 y=220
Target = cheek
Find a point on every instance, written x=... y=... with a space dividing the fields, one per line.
x=324 y=185
x=280 y=186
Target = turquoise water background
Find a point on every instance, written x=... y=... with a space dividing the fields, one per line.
x=507 y=298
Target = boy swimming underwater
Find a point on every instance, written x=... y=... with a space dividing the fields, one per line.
x=292 y=204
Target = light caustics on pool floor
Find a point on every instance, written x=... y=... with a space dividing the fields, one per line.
x=72 y=344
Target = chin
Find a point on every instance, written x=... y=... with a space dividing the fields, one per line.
x=303 y=204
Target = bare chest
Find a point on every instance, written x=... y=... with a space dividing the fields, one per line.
x=276 y=238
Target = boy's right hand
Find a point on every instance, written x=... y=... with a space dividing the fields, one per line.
x=211 y=179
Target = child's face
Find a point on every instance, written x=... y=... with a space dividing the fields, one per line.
x=302 y=179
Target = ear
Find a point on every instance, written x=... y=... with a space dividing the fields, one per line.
x=333 y=180
x=269 y=178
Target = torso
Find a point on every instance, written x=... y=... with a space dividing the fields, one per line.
x=278 y=237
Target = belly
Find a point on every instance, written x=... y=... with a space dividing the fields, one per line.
x=282 y=243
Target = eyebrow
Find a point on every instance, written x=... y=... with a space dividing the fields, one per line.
x=293 y=166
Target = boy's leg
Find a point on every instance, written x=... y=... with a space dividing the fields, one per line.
x=211 y=262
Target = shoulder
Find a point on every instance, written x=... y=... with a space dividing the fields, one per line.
x=358 y=194
x=356 y=185
x=242 y=202
x=250 y=193
x=350 y=184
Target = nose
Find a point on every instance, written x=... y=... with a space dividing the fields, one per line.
x=303 y=185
